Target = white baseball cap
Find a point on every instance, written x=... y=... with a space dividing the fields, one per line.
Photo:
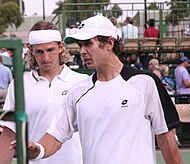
x=92 y=27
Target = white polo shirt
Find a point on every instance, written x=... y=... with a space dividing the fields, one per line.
x=42 y=101
x=117 y=119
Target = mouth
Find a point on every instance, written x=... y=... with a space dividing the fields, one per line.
x=47 y=64
x=87 y=61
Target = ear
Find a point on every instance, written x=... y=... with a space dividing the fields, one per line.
x=30 y=49
x=61 y=47
x=110 y=43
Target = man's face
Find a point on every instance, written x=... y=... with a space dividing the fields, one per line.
x=94 y=53
x=150 y=66
x=46 y=55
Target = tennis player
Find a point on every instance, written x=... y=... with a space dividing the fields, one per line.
x=118 y=110
x=45 y=87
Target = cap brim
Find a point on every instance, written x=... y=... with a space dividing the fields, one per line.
x=78 y=36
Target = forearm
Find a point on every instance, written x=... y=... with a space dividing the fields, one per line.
x=50 y=144
x=186 y=83
x=169 y=148
x=7 y=136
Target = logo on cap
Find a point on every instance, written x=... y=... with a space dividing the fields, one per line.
x=81 y=26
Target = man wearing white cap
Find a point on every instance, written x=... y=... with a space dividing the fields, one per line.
x=118 y=110
x=45 y=87
x=155 y=68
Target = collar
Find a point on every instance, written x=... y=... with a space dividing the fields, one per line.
x=62 y=76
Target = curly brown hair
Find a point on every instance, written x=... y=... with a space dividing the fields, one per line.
x=45 y=25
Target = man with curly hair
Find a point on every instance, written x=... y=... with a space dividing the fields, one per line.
x=45 y=87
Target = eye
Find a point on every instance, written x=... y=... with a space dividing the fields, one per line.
x=40 y=52
x=50 y=50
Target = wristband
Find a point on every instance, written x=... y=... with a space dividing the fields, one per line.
x=42 y=152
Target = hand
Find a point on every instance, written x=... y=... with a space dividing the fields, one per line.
x=33 y=149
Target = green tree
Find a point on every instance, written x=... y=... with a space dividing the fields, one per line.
x=9 y=16
x=86 y=10
x=115 y=11
x=16 y=1
x=179 y=11
x=152 y=6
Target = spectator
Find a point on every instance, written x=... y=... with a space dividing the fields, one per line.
x=154 y=67
x=5 y=79
x=129 y=31
x=182 y=77
x=187 y=33
x=25 y=50
x=152 y=32
x=45 y=87
x=114 y=21
x=165 y=71
x=166 y=86
x=70 y=26
x=3 y=52
x=117 y=110
x=138 y=66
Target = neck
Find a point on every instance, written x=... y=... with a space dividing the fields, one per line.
x=110 y=70
x=50 y=74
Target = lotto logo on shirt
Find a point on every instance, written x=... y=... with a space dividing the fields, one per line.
x=124 y=103
x=65 y=92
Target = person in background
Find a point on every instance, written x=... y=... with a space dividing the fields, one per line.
x=129 y=31
x=118 y=110
x=70 y=26
x=3 y=52
x=182 y=78
x=5 y=79
x=114 y=21
x=138 y=66
x=187 y=33
x=25 y=50
x=152 y=32
x=45 y=88
x=155 y=68
x=165 y=72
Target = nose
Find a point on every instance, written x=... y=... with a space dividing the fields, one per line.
x=45 y=55
x=82 y=50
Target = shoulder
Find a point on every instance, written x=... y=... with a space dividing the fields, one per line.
x=75 y=74
x=129 y=72
x=72 y=76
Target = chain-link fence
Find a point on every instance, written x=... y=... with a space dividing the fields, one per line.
x=182 y=103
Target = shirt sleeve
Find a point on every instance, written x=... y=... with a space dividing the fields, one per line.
x=164 y=111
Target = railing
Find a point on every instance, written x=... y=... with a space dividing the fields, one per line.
x=19 y=115
x=165 y=21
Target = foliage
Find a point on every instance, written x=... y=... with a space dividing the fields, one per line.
x=16 y=1
x=9 y=15
x=152 y=6
x=87 y=9
x=115 y=11
x=179 y=11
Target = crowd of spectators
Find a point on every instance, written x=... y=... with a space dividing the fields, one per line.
x=128 y=30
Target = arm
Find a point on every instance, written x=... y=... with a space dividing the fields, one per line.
x=169 y=148
x=50 y=144
x=6 y=138
x=186 y=83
